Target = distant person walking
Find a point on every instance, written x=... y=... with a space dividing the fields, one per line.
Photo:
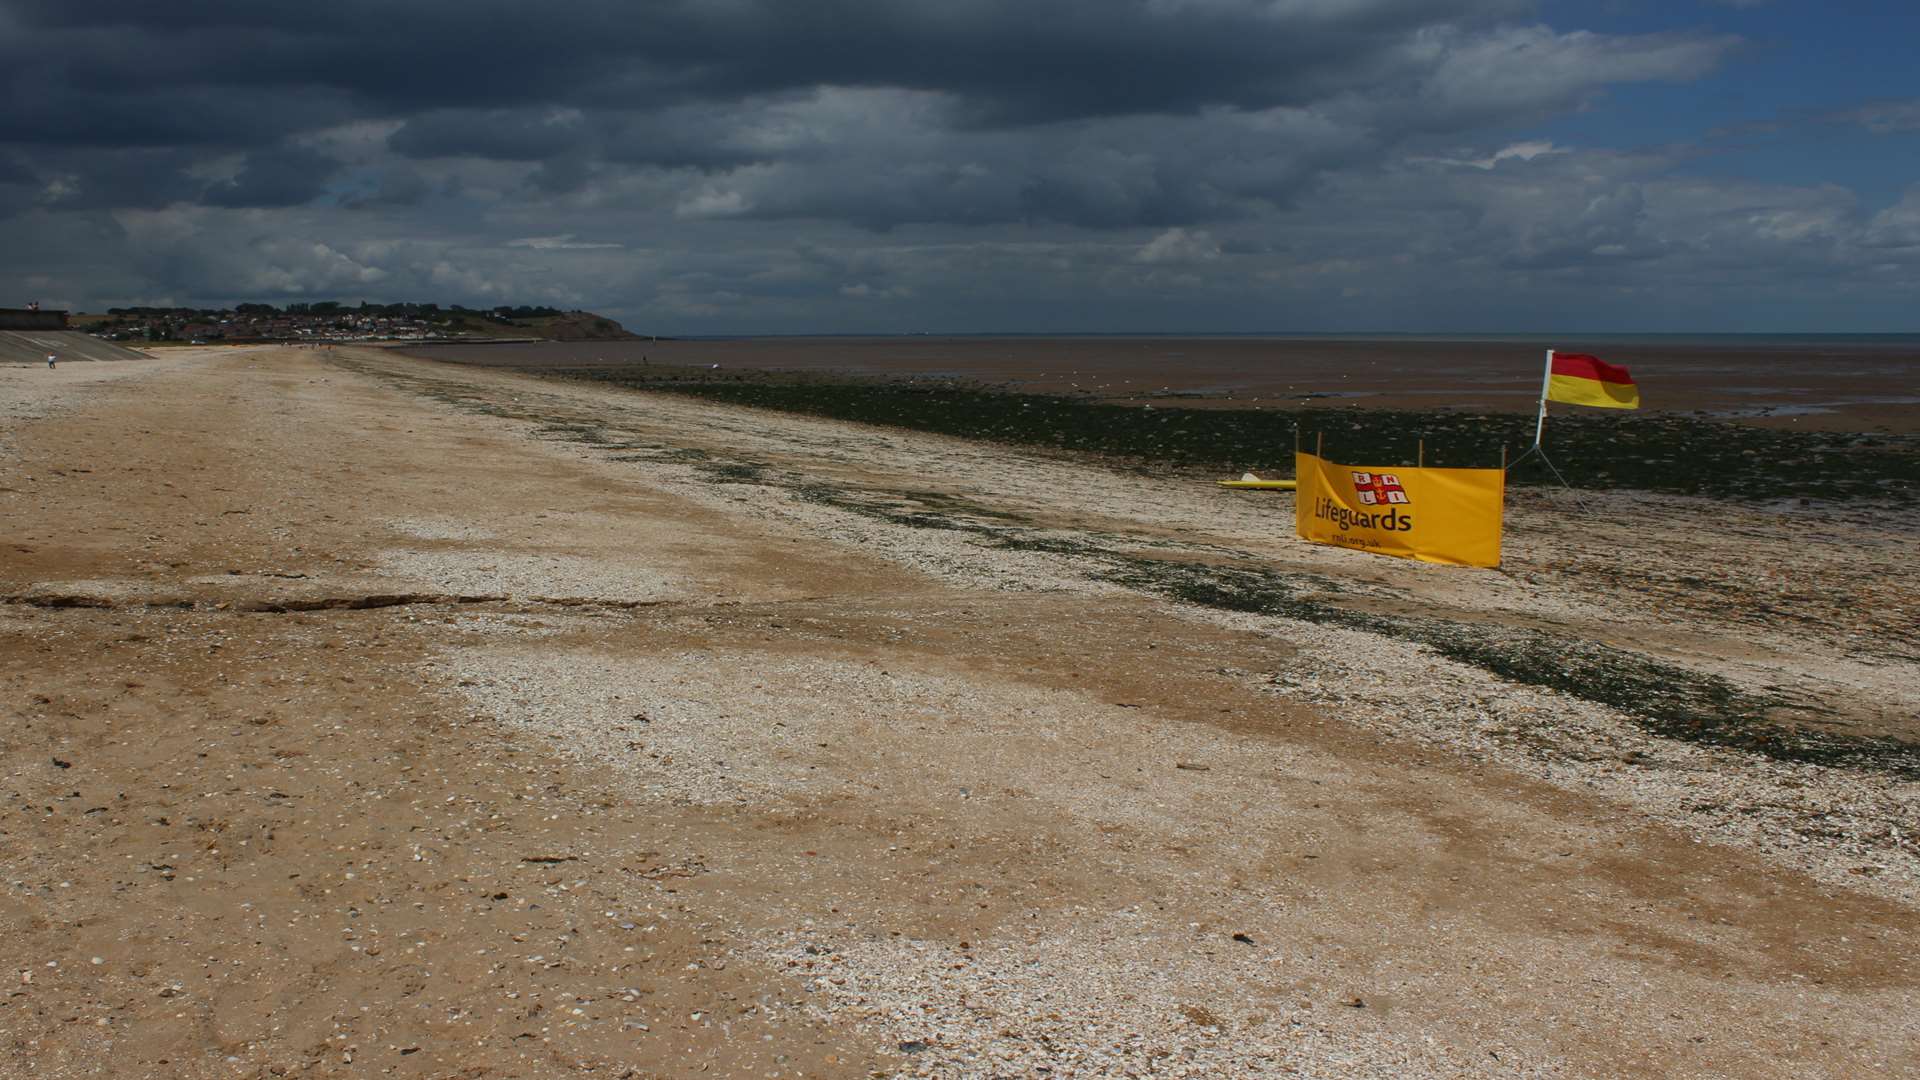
x=50 y=359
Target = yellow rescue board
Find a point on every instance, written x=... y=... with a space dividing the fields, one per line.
x=1258 y=485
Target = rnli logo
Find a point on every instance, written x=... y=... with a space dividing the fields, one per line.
x=1379 y=489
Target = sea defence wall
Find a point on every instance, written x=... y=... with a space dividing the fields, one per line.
x=32 y=319
x=32 y=347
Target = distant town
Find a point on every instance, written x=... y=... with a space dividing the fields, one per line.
x=333 y=321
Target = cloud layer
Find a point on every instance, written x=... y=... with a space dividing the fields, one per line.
x=865 y=165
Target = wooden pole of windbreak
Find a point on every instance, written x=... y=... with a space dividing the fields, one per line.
x=1421 y=461
x=1319 y=441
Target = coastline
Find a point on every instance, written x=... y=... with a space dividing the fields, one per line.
x=1651 y=450
x=1792 y=384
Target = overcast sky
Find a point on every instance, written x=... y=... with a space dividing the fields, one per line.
x=734 y=166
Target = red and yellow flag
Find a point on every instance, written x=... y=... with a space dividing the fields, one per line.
x=1584 y=380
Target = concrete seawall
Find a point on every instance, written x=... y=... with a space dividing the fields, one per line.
x=29 y=319
x=32 y=347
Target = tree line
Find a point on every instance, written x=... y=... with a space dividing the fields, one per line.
x=325 y=308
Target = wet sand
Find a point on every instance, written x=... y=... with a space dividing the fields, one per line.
x=1835 y=384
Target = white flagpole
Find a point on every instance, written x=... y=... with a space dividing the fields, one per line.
x=1540 y=430
x=1546 y=380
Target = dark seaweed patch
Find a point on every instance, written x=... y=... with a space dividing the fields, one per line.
x=735 y=472
x=591 y=434
x=1641 y=451
x=1665 y=699
x=915 y=510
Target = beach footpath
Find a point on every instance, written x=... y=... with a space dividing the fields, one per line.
x=365 y=715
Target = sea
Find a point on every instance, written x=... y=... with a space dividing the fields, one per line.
x=1867 y=382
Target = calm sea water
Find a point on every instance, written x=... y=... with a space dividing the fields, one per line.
x=1896 y=341
x=1866 y=380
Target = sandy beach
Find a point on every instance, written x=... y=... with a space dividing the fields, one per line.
x=366 y=715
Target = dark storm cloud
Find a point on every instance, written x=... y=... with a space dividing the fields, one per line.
x=700 y=136
x=145 y=177
x=778 y=164
x=503 y=134
x=274 y=176
x=393 y=185
x=1089 y=112
x=121 y=86
x=562 y=174
x=89 y=179
x=131 y=72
